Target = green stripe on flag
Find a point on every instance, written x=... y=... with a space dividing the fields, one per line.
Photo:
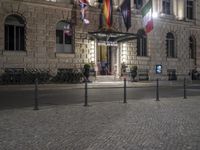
x=146 y=8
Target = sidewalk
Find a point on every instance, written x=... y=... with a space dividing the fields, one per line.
x=170 y=124
x=117 y=84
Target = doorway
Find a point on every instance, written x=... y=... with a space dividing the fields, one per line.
x=105 y=60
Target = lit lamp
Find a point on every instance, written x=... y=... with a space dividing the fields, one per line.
x=92 y=51
x=124 y=53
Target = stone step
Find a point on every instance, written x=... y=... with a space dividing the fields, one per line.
x=106 y=78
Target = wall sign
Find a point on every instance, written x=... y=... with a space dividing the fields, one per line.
x=158 y=69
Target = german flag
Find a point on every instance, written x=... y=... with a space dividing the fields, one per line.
x=107 y=12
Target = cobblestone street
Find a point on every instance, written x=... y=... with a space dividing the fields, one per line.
x=170 y=124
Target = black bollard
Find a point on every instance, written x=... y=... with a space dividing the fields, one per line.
x=157 y=90
x=184 y=87
x=125 y=90
x=36 y=95
x=86 y=94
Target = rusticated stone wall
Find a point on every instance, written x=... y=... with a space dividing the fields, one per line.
x=41 y=18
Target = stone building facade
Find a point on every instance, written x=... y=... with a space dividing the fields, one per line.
x=173 y=43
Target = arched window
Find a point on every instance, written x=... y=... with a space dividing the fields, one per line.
x=190 y=9
x=170 y=45
x=64 y=37
x=14 y=33
x=192 y=47
x=142 y=43
x=166 y=6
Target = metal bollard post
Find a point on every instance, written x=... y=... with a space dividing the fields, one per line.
x=125 y=90
x=86 y=94
x=157 y=90
x=36 y=95
x=184 y=87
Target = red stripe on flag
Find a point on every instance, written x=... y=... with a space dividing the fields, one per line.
x=149 y=26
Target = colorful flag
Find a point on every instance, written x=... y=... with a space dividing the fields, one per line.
x=84 y=6
x=147 y=17
x=107 y=12
x=126 y=13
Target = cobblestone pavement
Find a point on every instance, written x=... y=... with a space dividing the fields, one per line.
x=170 y=124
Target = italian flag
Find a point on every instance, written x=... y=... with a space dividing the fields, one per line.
x=147 y=11
x=107 y=11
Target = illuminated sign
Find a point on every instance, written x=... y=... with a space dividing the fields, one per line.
x=158 y=69
x=108 y=43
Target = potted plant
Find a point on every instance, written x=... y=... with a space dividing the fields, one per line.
x=133 y=71
x=86 y=72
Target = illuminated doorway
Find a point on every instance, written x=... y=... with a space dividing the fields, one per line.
x=106 y=59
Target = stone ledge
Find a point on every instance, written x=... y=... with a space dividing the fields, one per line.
x=65 y=55
x=14 y=53
x=143 y=58
x=172 y=59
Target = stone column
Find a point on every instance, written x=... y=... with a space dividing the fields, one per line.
x=155 y=6
x=159 y=6
x=175 y=7
x=118 y=61
x=181 y=7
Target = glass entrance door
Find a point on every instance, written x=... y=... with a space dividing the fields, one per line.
x=104 y=60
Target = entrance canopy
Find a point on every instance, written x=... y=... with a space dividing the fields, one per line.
x=111 y=36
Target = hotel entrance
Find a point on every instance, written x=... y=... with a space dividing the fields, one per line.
x=108 y=51
x=106 y=60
